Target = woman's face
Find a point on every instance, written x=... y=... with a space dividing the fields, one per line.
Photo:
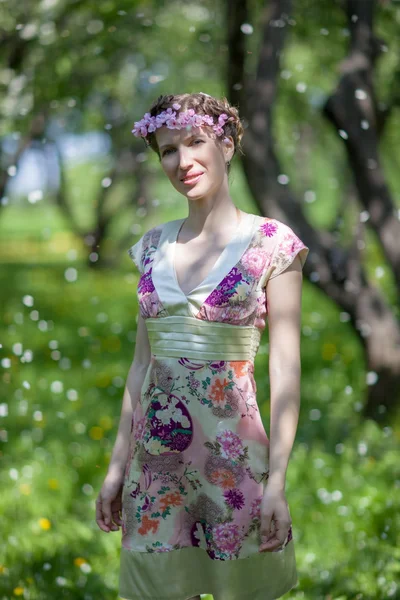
x=185 y=153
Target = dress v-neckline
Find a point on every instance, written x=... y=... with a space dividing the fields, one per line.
x=220 y=258
x=172 y=297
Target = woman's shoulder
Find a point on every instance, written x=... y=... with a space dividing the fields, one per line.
x=271 y=224
x=152 y=235
x=158 y=229
x=281 y=244
x=271 y=229
x=268 y=229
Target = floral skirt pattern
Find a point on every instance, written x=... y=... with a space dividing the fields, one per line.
x=198 y=460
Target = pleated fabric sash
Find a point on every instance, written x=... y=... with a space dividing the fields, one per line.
x=184 y=336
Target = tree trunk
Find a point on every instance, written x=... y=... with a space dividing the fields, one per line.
x=337 y=271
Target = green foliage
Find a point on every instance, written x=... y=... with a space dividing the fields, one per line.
x=64 y=403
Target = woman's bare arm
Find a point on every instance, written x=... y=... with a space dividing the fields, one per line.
x=284 y=322
x=135 y=378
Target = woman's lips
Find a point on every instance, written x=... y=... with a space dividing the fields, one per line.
x=192 y=180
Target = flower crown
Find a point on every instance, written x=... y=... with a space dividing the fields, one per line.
x=186 y=119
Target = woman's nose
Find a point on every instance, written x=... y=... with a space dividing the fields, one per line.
x=185 y=160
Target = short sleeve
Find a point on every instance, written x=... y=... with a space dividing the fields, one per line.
x=135 y=252
x=287 y=245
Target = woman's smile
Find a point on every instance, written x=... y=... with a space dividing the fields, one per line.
x=192 y=180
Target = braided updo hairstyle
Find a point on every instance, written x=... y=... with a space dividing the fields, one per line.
x=202 y=104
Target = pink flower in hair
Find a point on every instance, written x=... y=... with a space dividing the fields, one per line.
x=151 y=127
x=198 y=120
x=209 y=120
x=161 y=119
x=187 y=119
x=173 y=123
x=221 y=122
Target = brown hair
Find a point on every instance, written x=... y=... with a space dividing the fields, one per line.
x=205 y=105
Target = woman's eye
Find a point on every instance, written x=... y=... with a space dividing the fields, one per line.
x=170 y=149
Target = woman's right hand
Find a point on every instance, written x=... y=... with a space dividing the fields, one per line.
x=109 y=504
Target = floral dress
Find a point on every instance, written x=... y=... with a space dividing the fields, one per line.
x=198 y=455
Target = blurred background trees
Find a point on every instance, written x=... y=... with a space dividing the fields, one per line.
x=317 y=86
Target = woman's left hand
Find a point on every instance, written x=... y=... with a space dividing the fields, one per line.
x=275 y=519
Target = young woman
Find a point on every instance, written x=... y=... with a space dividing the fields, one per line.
x=194 y=481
